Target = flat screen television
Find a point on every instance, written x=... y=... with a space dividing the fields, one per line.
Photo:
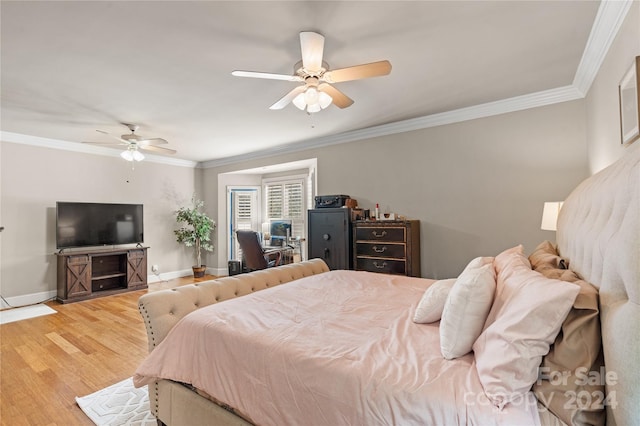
x=98 y=224
x=280 y=232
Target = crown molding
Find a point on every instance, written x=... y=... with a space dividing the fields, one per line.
x=609 y=19
x=518 y=103
x=86 y=149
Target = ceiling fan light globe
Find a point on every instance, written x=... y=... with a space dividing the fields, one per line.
x=313 y=107
x=299 y=102
x=324 y=99
x=311 y=96
x=127 y=155
x=138 y=156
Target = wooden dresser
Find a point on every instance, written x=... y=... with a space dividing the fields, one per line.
x=391 y=247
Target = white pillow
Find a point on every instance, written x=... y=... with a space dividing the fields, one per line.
x=525 y=319
x=467 y=307
x=432 y=302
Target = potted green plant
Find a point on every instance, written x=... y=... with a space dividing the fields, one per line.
x=196 y=233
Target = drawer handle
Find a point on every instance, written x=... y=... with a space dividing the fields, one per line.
x=384 y=265
x=379 y=250
x=380 y=235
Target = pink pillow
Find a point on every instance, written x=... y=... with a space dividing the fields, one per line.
x=526 y=316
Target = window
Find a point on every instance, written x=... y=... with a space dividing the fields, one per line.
x=243 y=214
x=285 y=199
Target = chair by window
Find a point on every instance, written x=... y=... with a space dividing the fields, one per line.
x=255 y=256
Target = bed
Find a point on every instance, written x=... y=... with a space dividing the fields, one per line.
x=548 y=338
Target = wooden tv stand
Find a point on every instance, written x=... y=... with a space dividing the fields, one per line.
x=87 y=274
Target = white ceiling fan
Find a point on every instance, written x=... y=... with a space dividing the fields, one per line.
x=317 y=92
x=134 y=144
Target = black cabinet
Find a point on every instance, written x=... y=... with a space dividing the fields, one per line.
x=330 y=237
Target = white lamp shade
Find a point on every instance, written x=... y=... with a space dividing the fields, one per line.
x=127 y=155
x=299 y=102
x=312 y=100
x=324 y=99
x=550 y=215
x=311 y=95
x=313 y=107
x=132 y=155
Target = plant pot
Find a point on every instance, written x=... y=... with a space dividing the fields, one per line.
x=198 y=271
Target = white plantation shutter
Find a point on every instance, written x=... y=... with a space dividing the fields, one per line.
x=275 y=201
x=294 y=207
x=285 y=199
x=244 y=216
x=245 y=210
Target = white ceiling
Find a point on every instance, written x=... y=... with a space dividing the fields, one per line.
x=69 y=68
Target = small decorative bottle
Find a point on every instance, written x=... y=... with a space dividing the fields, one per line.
x=377 y=216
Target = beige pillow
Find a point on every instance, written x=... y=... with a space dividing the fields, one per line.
x=466 y=308
x=526 y=316
x=432 y=302
x=576 y=352
x=545 y=257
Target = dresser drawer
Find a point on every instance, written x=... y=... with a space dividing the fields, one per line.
x=381 y=249
x=377 y=233
x=386 y=266
x=391 y=247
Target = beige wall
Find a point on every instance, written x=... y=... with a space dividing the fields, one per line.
x=34 y=178
x=477 y=187
x=603 y=113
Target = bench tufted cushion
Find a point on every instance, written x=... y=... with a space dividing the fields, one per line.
x=161 y=310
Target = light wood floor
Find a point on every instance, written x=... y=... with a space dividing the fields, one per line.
x=45 y=362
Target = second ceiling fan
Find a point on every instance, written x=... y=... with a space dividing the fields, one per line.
x=317 y=92
x=134 y=144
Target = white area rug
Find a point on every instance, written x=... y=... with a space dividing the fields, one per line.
x=118 y=405
x=26 y=312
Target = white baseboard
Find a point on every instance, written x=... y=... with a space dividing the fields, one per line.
x=33 y=298
x=169 y=275
x=28 y=299
x=219 y=272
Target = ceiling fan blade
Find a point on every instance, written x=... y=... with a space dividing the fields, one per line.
x=112 y=136
x=374 y=69
x=312 y=48
x=157 y=149
x=270 y=76
x=106 y=143
x=286 y=99
x=152 y=141
x=339 y=99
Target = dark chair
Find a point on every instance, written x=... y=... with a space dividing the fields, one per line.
x=255 y=256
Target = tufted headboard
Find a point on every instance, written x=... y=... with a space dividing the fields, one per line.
x=599 y=232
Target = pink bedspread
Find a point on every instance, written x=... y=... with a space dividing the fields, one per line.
x=338 y=348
